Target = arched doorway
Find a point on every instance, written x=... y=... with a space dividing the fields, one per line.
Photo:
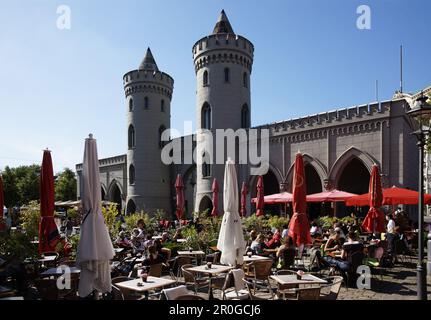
x=354 y=178
x=103 y=194
x=206 y=204
x=115 y=196
x=314 y=185
x=270 y=186
x=131 y=207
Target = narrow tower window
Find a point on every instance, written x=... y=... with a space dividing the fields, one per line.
x=245 y=80
x=146 y=103
x=245 y=116
x=226 y=75
x=130 y=105
x=132 y=174
x=131 y=137
x=161 y=142
x=206 y=167
x=205 y=78
x=206 y=116
x=162 y=106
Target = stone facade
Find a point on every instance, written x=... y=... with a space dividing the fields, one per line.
x=339 y=146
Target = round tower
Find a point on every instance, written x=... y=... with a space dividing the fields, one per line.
x=223 y=64
x=148 y=101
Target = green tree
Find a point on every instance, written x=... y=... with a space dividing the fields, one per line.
x=65 y=186
x=21 y=184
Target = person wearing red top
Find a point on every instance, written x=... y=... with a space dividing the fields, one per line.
x=275 y=241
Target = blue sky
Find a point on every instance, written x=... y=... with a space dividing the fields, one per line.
x=56 y=86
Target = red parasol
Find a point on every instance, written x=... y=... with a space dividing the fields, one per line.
x=375 y=219
x=391 y=196
x=244 y=192
x=260 y=203
x=330 y=196
x=215 y=190
x=283 y=197
x=179 y=187
x=48 y=231
x=299 y=227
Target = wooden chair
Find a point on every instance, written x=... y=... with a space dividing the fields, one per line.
x=260 y=271
x=331 y=290
x=116 y=293
x=155 y=270
x=308 y=293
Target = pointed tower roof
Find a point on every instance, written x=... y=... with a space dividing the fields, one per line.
x=223 y=24
x=148 y=63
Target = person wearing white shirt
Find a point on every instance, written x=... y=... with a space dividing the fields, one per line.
x=391 y=235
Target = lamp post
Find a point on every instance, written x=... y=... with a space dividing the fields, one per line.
x=420 y=116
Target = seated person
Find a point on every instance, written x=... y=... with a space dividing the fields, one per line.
x=178 y=234
x=275 y=241
x=123 y=241
x=253 y=236
x=137 y=242
x=333 y=244
x=153 y=257
x=315 y=230
x=286 y=254
x=258 y=245
x=164 y=252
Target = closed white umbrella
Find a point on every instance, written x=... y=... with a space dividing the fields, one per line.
x=95 y=248
x=231 y=238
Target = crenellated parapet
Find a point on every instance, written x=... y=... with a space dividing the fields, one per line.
x=148 y=81
x=350 y=120
x=228 y=48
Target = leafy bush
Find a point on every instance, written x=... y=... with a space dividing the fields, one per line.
x=110 y=215
x=131 y=221
x=29 y=219
x=15 y=244
x=278 y=222
x=326 y=222
x=253 y=222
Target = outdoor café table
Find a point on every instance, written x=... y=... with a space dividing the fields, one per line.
x=292 y=279
x=255 y=258
x=141 y=287
x=57 y=272
x=181 y=240
x=5 y=291
x=191 y=253
x=215 y=269
x=156 y=237
x=47 y=259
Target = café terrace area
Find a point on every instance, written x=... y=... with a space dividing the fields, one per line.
x=92 y=251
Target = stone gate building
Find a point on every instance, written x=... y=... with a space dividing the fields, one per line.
x=339 y=146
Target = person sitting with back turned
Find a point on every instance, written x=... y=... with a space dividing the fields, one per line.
x=258 y=245
x=154 y=257
x=286 y=254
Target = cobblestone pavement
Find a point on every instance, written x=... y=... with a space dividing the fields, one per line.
x=396 y=283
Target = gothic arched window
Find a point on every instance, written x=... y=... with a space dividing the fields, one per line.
x=146 y=103
x=205 y=78
x=131 y=137
x=132 y=174
x=226 y=75
x=206 y=116
x=245 y=116
x=245 y=80
x=130 y=105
